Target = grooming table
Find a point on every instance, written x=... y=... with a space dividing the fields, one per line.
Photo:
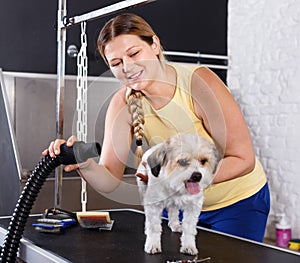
x=125 y=243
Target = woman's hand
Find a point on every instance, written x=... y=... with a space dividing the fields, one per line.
x=54 y=150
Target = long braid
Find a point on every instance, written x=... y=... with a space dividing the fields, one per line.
x=135 y=107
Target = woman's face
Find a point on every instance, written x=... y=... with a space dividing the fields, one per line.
x=133 y=61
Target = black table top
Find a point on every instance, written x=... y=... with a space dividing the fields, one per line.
x=125 y=243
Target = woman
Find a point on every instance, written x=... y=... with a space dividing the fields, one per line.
x=164 y=99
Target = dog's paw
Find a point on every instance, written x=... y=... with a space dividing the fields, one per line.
x=190 y=250
x=175 y=227
x=152 y=249
x=152 y=245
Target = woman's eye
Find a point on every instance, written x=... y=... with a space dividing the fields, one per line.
x=115 y=64
x=183 y=162
x=133 y=54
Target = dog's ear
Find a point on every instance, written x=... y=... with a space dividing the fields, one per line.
x=156 y=160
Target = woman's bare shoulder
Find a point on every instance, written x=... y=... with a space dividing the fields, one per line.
x=118 y=99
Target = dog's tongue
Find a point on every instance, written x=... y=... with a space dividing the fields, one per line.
x=192 y=187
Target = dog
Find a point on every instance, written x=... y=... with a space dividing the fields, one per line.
x=173 y=175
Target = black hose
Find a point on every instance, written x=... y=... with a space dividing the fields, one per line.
x=80 y=152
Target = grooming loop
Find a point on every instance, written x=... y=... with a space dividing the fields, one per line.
x=81 y=103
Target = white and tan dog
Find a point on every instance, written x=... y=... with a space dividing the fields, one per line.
x=173 y=175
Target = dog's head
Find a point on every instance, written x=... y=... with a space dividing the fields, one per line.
x=185 y=160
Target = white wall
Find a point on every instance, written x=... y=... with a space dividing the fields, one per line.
x=264 y=76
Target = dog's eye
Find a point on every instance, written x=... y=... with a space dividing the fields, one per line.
x=203 y=161
x=183 y=162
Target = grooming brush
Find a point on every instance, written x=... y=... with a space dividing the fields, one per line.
x=53 y=225
x=93 y=219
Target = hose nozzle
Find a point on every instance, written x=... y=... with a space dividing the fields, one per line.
x=79 y=152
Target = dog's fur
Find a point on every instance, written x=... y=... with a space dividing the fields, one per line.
x=178 y=170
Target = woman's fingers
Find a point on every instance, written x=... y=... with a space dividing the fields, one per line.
x=54 y=148
x=71 y=140
x=71 y=167
x=51 y=149
x=45 y=152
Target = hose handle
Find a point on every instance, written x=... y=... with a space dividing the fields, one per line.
x=79 y=152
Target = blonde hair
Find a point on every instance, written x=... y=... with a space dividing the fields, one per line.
x=134 y=25
x=134 y=102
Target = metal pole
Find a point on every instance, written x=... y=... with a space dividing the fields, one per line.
x=104 y=11
x=62 y=23
x=195 y=55
x=61 y=48
x=200 y=55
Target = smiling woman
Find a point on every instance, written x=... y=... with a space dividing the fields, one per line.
x=159 y=99
x=132 y=53
x=133 y=61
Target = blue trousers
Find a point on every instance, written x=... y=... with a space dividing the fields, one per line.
x=246 y=218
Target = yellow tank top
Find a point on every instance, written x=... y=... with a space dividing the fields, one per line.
x=177 y=117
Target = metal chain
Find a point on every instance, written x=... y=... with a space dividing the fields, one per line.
x=82 y=67
x=81 y=102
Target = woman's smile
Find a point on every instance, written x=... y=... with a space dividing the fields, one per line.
x=135 y=76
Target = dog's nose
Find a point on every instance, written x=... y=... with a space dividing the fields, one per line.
x=196 y=177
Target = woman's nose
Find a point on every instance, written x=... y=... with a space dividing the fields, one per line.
x=126 y=65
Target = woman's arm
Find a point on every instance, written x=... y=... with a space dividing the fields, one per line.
x=106 y=175
x=225 y=123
